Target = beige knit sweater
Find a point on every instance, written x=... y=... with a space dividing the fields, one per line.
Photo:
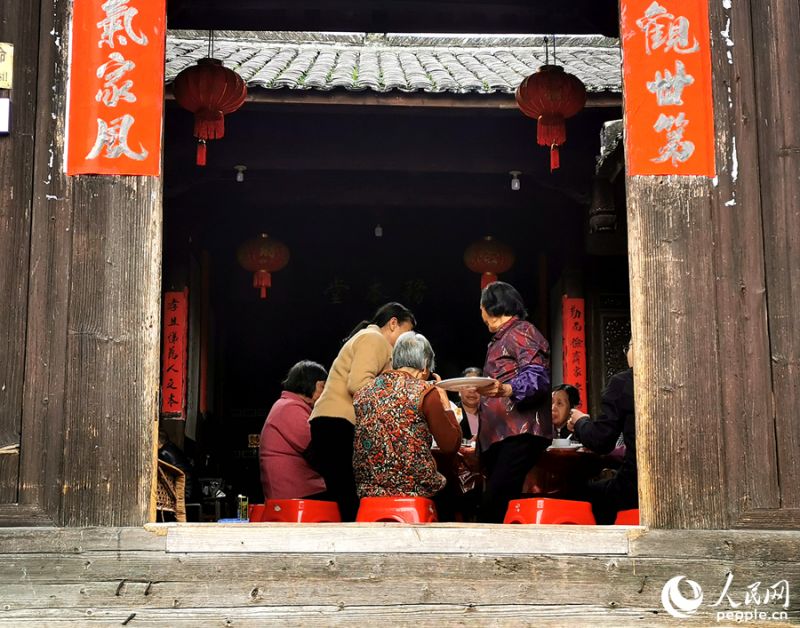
x=362 y=358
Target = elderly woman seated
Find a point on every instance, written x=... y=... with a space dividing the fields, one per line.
x=396 y=416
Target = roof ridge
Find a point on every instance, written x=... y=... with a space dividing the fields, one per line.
x=397 y=40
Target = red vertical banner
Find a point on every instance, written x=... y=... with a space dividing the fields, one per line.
x=574 y=347
x=116 y=87
x=175 y=351
x=666 y=59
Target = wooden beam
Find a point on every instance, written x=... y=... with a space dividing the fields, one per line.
x=503 y=102
x=385 y=538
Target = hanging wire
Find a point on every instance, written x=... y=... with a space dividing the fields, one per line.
x=211 y=44
x=546 y=52
x=554 y=49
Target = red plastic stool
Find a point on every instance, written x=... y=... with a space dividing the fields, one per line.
x=255 y=512
x=301 y=511
x=552 y=511
x=627 y=517
x=398 y=509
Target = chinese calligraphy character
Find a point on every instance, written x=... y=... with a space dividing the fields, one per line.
x=112 y=71
x=118 y=24
x=668 y=88
x=171 y=384
x=664 y=29
x=172 y=402
x=677 y=149
x=724 y=594
x=780 y=591
x=114 y=137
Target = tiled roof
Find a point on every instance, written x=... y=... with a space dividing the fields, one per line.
x=461 y=64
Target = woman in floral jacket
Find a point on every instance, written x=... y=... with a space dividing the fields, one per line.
x=516 y=424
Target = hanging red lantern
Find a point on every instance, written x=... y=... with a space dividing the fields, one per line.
x=261 y=256
x=551 y=95
x=209 y=90
x=488 y=257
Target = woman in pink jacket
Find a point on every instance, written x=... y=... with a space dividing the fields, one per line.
x=286 y=435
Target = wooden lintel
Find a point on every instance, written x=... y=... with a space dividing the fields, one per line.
x=395 y=99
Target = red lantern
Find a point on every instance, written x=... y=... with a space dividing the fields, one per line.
x=551 y=95
x=261 y=256
x=488 y=257
x=209 y=90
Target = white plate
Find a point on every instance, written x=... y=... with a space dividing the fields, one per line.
x=459 y=383
x=564 y=443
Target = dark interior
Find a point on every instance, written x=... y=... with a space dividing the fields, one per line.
x=321 y=178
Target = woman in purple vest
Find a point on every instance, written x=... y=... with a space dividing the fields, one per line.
x=516 y=424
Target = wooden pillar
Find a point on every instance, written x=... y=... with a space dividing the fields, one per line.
x=91 y=381
x=18 y=26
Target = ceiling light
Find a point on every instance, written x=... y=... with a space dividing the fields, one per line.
x=515 y=182
x=239 y=173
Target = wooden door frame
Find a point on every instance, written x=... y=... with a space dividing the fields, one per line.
x=93 y=314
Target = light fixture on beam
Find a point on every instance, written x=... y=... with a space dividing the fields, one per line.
x=515 y=182
x=240 y=170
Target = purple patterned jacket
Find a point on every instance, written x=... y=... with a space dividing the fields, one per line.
x=518 y=355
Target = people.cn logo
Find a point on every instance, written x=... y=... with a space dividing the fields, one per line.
x=675 y=603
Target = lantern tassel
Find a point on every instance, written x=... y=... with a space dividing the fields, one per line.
x=551 y=130
x=263 y=280
x=487 y=278
x=201 y=153
x=555 y=160
x=209 y=125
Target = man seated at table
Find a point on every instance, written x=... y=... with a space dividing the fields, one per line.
x=396 y=416
x=620 y=492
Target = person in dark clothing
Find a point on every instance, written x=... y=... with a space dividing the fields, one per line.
x=621 y=492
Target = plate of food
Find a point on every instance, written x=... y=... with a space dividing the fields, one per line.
x=460 y=383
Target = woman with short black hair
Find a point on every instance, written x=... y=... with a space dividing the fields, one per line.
x=304 y=377
x=565 y=398
x=285 y=437
x=515 y=420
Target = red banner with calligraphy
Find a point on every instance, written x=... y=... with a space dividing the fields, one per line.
x=116 y=87
x=669 y=117
x=574 y=347
x=173 y=358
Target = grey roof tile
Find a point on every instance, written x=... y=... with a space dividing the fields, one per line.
x=386 y=62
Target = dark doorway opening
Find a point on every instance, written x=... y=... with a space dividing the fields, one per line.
x=322 y=178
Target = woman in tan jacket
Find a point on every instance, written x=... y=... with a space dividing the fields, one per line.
x=366 y=353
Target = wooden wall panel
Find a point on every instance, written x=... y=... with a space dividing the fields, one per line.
x=777 y=81
x=673 y=320
x=740 y=283
x=19 y=27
